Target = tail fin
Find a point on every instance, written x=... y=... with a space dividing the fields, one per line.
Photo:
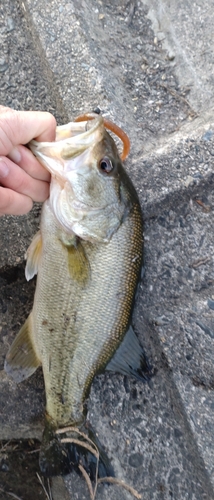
x=53 y=457
x=57 y=458
x=130 y=358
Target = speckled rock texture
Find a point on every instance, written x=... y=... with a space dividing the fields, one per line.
x=68 y=57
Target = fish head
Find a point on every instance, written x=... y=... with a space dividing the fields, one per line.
x=86 y=193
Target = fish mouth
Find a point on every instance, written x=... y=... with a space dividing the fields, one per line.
x=75 y=137
x=71 y=140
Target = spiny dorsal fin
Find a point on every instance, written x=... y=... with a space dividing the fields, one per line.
x=33 y=256
x=130 y=359
x=21 y=360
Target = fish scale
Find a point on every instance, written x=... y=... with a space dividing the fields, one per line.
x=101 y=319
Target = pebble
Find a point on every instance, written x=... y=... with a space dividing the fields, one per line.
x=197 y=175
x=10 y=24
x=208 y=135
x=205 y=329
x=188 y=180
x=136 y=460
x=210 y=304
x=3 y=65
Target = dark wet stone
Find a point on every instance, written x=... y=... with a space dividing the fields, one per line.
x=5 y=467
x=3 y=306
x=177 y=433
x=206 y=329
x=143 y=432
x=3 y=65
x=198 y=175
x=162 y=221
x=137 y=407
x=210 y=304
x=136 y=460
x=136 y=421
x=134 y=393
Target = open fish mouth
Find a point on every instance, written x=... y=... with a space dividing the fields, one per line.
x=75 y=137
x=72 y=139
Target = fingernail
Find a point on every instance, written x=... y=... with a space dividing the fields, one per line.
x=4 y=170
x=15 y=155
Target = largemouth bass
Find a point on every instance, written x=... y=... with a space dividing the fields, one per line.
x=87 y=257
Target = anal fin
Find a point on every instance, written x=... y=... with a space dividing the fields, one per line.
x=130 y=359
x=21 y=360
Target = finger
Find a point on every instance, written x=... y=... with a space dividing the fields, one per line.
x=28 y=162
x=20 y=127
x=12 y=203
x=15 y=178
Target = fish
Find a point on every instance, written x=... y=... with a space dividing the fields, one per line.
x=87 y=256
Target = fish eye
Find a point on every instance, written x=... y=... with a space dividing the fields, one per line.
x=106 y=165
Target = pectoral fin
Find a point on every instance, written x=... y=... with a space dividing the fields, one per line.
x=130 y=359
x=33 y=256
x=21 y=360
x=78 y=265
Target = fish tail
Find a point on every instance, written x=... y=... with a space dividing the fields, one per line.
x=58 y=458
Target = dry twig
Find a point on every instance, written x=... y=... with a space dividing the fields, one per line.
x=49 y=489
x=43 y=486
x=199 y=262
x=94 y=450
x=179 y=97
x=114 y=480
x=206 y=208
x=81 y=443
x=88 y=481
x=11 y=494
x=4 y=447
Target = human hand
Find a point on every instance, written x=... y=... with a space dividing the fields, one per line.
x=22 y=178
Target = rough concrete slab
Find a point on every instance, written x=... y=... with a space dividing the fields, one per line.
x=185 y=30
x=105 y=54
x=122 y=70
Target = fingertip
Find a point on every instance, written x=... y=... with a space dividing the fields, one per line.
x=49 y=132
x=12 y=203
x=32 y=166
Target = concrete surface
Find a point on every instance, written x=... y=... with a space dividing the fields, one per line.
x=185 y=30
x=148 y=66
